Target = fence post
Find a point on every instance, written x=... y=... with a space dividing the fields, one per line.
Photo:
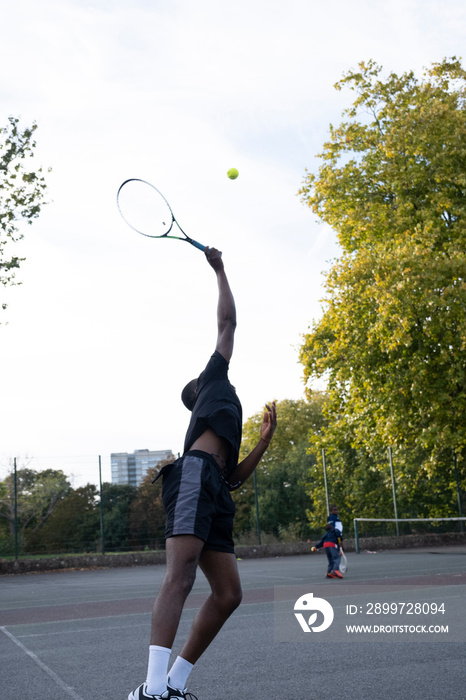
x=16 y=512
x=257 y=508
x=393 y=490
x=458 y=493
x=102 y=534
x=356 y=536
x=325 y=480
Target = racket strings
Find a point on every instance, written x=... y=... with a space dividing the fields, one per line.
x=144 y=208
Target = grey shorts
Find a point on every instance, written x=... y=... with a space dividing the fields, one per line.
x=197 y=501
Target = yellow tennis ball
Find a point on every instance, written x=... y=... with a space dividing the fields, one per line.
x=233 y=173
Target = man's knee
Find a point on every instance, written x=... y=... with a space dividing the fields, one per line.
x=236 y=599
x=180 y=581
x=182 y=560
x=230 y=599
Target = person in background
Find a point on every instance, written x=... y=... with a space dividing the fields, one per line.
x=331 y=543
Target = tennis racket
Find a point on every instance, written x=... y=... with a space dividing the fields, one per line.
x=343 y=562
x=147 y=211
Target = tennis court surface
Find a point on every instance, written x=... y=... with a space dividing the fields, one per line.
x=84 y=634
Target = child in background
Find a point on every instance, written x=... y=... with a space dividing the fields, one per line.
x=331 y=542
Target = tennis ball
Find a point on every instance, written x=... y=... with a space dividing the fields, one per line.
x=233 y=173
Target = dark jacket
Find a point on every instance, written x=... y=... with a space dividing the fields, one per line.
x=331 y=538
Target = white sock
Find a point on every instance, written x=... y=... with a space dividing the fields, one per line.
x=157 y=669
x=179 y=673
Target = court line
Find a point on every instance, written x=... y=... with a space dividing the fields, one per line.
x=66 y=688
x=448 y=592
x=84 y=630
x=187 y=619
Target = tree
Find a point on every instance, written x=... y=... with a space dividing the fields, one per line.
x=38 y=494
x=22 y=192
x=282 y=472
x=392 y=338
x=116 y=506
x=74 y=525
x=147 y=517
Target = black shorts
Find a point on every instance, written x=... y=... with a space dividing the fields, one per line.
x=197 y=501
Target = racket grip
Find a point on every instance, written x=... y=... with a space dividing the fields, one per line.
x=197 y=245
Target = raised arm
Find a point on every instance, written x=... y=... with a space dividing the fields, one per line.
x=226 y=310
x=249 y=463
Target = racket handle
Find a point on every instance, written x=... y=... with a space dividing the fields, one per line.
x=197 y=245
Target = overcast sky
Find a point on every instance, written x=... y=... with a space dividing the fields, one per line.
x=108 y=326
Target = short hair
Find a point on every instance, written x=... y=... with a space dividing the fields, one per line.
x=189 y=394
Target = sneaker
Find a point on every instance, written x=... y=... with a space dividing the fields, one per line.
x=173 y=694
x=332 y=575
x=141 y=694
x=337 y=574
x=329 y=576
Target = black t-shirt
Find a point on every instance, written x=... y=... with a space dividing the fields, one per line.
x=217 y=407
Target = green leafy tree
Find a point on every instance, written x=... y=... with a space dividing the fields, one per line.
x=22 y=192
x=116 y=506
x=38 y=494
x=74 y=525
x=282 y=472
x=392 y=338
x=147 y=517
x=7 y=545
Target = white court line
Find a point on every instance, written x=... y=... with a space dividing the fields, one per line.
x=66 y=688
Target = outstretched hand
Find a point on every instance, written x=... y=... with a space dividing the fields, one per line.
x=245 y=468
x=269 y=422
x=214 y=258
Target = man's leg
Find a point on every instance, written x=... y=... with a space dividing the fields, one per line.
x=183 y=553
x=221 y=571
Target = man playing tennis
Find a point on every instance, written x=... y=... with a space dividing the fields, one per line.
x=199 y=510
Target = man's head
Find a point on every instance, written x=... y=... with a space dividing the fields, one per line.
x=189 y=394
x=328 y=526
x=334 y=510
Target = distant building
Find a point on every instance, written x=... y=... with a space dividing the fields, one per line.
x=131 y=468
